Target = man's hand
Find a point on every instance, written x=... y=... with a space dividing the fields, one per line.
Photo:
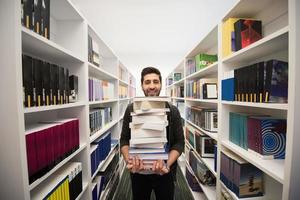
x=159 y=167
x=135 y=165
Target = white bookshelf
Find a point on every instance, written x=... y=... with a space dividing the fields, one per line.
x=280 y=26
x=67 y=47
x=196 y=195
x=53 y=107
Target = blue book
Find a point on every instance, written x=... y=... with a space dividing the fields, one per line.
x=228 y=86
x=276 y=81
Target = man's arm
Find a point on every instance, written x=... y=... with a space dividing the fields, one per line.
x=125 y=134
x=177 y=147
x=134 y=164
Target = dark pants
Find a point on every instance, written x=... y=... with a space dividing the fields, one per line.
x=142 y=186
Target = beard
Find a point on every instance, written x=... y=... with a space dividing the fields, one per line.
x=151 y=93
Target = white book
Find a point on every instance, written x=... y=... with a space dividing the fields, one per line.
x=155 y=126
x=151 y=145
x=154 y=110
x=157 y=98
x=146 y=150
x=144 y=133
x=154 y=117
x=148 y=140
x=154 y=156
x=158 y=126
x=147 y=105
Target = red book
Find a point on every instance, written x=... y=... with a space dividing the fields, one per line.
x=62 y=139
x=76 y=134
x=50 y=146
x=31 y=155
x=69 y=131
x=41 y=137
x=56 y=143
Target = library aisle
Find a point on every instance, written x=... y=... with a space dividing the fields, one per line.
x=65 y=92
x=182 y=190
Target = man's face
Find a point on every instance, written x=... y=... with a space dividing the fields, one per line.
x=151 y=85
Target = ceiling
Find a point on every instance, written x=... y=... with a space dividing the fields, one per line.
x=153 y=32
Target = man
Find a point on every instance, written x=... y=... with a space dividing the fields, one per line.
x=161 y=178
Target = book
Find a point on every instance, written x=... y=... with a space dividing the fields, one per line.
x=150 y=111
x=73 y=87
x=177 y=76
x=37 y=78
x=247 y=31
x=148 y=140
x=210 y=91
x=152 y=156
x=267 y=137
x=146 y=150
x=149 y=145
x=276 y=81
x=28 y=83
x=153 y=117
x=227 y=32
x=228 y=86
x=203 y=60
x=46 y=83
x=37 y=7
x=157 y=98
x=61 y=85
x=137 y=133
x=27 y=9
x=95 y=53
x=147 y=105
x=45 y=18
x=204 y=145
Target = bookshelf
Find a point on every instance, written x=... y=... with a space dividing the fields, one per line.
x=280 y=28
x=67 y=47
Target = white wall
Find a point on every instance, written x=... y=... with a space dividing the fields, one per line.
x=153 y=32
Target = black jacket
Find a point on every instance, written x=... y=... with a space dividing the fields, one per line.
x=175 y=135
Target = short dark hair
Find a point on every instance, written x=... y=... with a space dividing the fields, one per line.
x=149 y=70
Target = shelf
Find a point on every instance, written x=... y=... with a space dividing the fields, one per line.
x=244 y=8
x=103 y=101
x=209 y=162
x=104 y=163
x=100 y=73
x=107 y=187
x=263 y=47
x=196 y=195
x=84 y=187
x=53 y=107
x=209 y=70
x=109 y=158
x=209 y=191
x=124 y=99
x=214 y=101
x=34 y=44
x=103 y=130
x=207 y=43
x=40 y=180
x=181 y=81
x=124 y=83
x=236 y=198
x=275 y=106
x=213 y=135
x=274 y=168
x=178 y=98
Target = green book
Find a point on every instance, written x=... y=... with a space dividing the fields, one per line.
x=204 y=60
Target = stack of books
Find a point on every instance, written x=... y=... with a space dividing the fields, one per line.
x=148 y=129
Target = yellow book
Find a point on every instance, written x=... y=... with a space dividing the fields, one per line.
x=228 y=27
x=67 y=190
